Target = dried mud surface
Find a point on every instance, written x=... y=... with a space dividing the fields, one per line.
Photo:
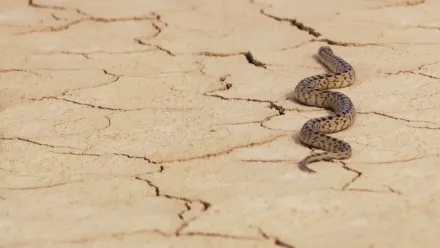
x=166 y=124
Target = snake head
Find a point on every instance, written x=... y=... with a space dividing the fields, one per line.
x=324 y=50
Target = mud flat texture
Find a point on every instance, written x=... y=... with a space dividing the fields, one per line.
x=165 y=124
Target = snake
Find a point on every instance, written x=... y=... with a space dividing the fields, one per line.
x=313 y=91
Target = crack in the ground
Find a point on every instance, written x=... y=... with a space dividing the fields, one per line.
x=425 y=127
x=31 y=3
x=224 y=152
x=160 y=170
x=157 y=28
x=294 y=22
x=109 y=122
x=393 y=117
x=392 y=190
x=53 y=28
x=349 y=44
x=219 y=235
x=268 y=160
x=121 y=235
x=218 y=54
x=422 y=97
x=267 y=119
x=78 y=154
x=280 y=109
x=42 y=186
x=55 y=17
x=87 y=54
x=248 y=55
x=69 y=121
x=423 y=27
x=164 y=50
x=427 y=75
x=186 y=202
x=97 y=106
x=276 y=241
x=415 y=71
x=86 y=17
x=223 y=78
x=118 y=235
x=151 y=16
x=389 y=190
x=164 y=161
x=308 y=109
x=316 y=34
x=17 y=70
x=137 y=157
x=261 y=122
x=38 y=143
x=272 y=105
x=296 y=46
x=202 y=69
x=224 y=87
x=81 y=20
x=106 y=72
x=407 y=3
x=365 y=190
x=403 y=160
x=354 y=179
x=86 y=104
x=115 y=78
x=251 y=60
x=143 y=43
x=342 y=44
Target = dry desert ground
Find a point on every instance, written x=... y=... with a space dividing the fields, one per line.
x=141 y=123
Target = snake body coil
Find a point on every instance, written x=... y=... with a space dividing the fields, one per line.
x=313 y=91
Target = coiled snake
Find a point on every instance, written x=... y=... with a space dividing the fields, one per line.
x=313 y=91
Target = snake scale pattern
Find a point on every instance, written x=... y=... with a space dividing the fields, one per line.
x=313 y=91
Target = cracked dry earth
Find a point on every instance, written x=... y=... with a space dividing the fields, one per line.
x=166 y=124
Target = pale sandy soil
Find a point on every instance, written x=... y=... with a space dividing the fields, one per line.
x=147 y=124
